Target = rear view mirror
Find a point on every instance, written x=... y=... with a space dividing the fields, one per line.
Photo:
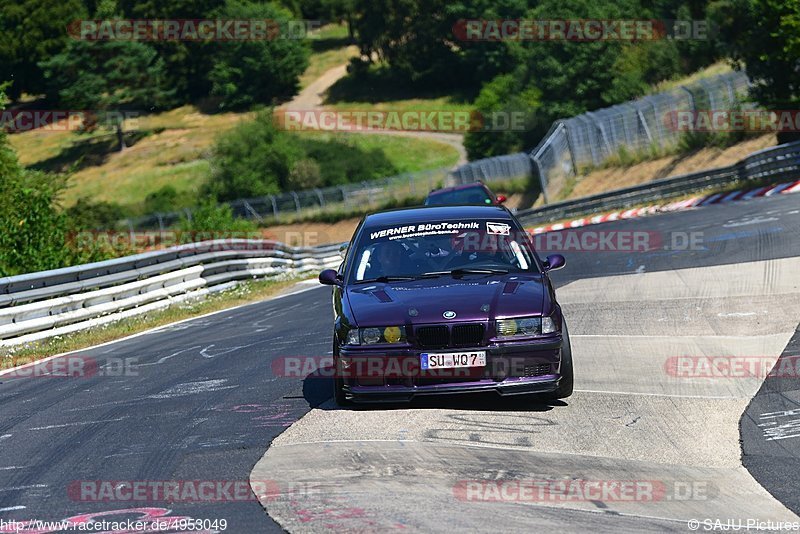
x=343 y=250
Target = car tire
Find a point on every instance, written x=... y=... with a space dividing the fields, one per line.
x=338 y=392
x=338 y=383
x=567 y=378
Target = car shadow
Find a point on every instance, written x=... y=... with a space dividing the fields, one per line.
x=318 y=392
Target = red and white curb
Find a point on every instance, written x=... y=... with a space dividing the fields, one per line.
x=716 y=198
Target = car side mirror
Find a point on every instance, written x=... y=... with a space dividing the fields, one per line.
x=343 y=250
x=554 y=262
x=330 y=277
x=501 y=199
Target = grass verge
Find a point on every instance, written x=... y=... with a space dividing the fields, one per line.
x=243 y=293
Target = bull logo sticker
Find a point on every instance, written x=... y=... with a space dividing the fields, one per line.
x=496 y=228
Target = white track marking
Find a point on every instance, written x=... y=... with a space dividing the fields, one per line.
x=78 y=423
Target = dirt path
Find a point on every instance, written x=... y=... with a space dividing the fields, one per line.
x=312 y=97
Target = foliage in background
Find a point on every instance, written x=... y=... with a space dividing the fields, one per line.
x=497 y=96
x=90 y=215
x=32 y=231
x=210 y=217
x=245 y=73
x=258 y=159
x=32 y=31
x=573 y=77
x=187 y=63
x=764 y=37
x=107 y=76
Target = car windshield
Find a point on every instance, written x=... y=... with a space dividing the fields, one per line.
x=471 y=195
x=441 y=248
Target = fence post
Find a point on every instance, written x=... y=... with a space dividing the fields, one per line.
x=537 y=168
x=565 y=132
x=250 y=210
x=296 y=201
x=691 y=97
x=274 y=206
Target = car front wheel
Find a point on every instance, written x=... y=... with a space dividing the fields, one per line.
x=338 y=382
x=567 y=379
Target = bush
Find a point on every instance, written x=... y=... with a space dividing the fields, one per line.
x=252 y=160
x=32 y=229
x=342 y=162
x=305 y=174
x=257 y=159
x=504 y=95
x=89 y=215
x=168 y=199
x=210 y=217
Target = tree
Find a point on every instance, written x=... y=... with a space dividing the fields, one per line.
x=763 y=36
x=108 y=77
x=186 y=63
x=248 y=72
x=416 y=39
x=30 y=32
x=502 y=95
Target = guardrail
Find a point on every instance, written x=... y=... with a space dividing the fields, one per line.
x=775 y=163
x=49 y=303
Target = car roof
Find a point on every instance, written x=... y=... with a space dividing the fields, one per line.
x=435 y=213
x=472 y=185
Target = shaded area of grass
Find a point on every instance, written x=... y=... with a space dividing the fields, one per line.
x=88 y=151
x=379 y=86
x=243 y=293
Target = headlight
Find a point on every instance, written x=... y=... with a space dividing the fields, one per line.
x=525 y=326
x=548 y=325
x=373 y=335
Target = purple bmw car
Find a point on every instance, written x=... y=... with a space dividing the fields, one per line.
x=449 y=299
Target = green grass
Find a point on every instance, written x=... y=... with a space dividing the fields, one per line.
x=177 y=155
x=407 y=154
x=442 y=103
x=715 y=69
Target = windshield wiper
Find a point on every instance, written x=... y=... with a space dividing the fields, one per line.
x=387 y=279
x=464 y=270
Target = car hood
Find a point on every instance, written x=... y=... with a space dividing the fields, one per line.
x=472 y=298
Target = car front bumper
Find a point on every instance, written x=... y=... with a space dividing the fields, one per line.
x=512 y=368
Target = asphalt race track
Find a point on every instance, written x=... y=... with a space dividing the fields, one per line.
x=201 y=400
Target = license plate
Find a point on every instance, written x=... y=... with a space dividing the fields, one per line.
x=451 y=360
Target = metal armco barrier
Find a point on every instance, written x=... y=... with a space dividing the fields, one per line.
x=775 y=164
x=49 y=303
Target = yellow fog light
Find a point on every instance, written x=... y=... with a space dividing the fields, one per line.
x=392 y=334
x=506 y=327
